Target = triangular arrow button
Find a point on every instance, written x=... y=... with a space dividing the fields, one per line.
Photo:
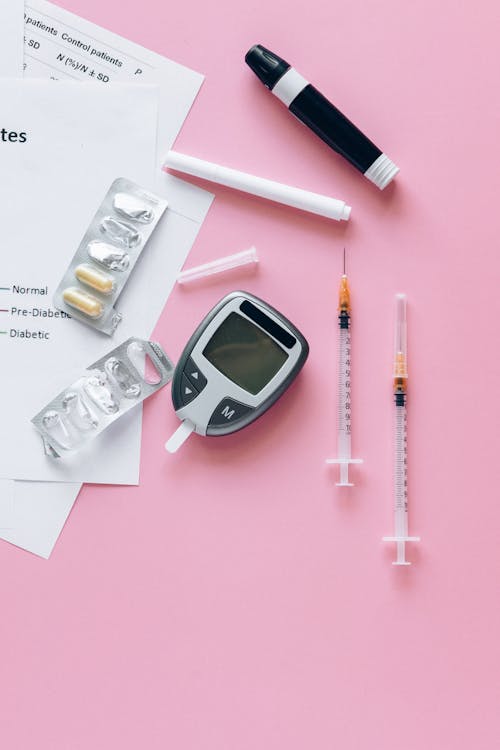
x=193 y=377
x=188 y=391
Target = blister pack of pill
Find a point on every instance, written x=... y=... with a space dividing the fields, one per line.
x=108 y=389
x=107 y=255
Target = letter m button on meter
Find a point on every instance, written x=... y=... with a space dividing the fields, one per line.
x=238 y=362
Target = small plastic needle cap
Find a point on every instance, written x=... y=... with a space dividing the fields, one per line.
x=400 y=364
x=227 y=263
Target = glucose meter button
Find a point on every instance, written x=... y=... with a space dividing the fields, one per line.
x=195 y=375
x=188 y=391
x=228 y=411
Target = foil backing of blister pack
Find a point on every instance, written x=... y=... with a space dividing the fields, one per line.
x=107 y=255
x=108 y=389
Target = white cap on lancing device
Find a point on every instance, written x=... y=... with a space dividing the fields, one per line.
x=320 y=115
x=382 y=171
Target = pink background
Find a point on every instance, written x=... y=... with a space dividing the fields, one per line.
x=237 y=600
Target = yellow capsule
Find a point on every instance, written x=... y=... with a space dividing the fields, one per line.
x=94 y=278
x=83 y=302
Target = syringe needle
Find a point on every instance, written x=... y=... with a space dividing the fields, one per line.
x=400 y=440
x=344 y=385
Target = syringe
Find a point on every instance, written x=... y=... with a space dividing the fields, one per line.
x=344 y=386
x=400 y=442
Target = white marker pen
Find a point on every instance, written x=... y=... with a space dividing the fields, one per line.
x=320 y=115
x=315 y=203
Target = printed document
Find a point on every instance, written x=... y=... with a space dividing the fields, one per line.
x=42 y=507
x=6 y=504
x=64 y=145
x=11 y=65
x=60 y=45
x=11 y=38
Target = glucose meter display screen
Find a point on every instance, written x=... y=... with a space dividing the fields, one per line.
x=244 y=353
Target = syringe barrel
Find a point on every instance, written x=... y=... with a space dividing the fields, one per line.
x=400 y=472
x=344 y=394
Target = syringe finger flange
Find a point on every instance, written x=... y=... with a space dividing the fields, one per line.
x=344 y=461
x=400 y=538
x=344 y=386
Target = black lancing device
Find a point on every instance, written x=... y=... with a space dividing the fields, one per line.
x=321 y=116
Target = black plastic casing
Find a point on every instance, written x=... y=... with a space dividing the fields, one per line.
x=328 y=122
x=315 y=111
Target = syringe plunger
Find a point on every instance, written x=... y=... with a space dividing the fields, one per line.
x=344 y=388
x=400 y=438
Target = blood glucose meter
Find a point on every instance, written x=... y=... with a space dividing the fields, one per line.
x=239 y=361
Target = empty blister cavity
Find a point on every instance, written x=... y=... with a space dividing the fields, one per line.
x=84 y=302
x=120 y=232
x=56 y=428
x=143 y=363
x=126 y=380
x=109 y=256
x=78 y=412
x=131 y=207
x=95 y=278
x=97 y=389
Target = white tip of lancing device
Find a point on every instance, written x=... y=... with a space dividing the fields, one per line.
x=382 y=171
x=180 y=436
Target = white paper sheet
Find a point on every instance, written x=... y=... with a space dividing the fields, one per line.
x=59 y=44
x=40 y=512
x=11 y=64
x=178 y=89
x=11 y=37
x=41 y=508
x=6 y=504
x=77 y=139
